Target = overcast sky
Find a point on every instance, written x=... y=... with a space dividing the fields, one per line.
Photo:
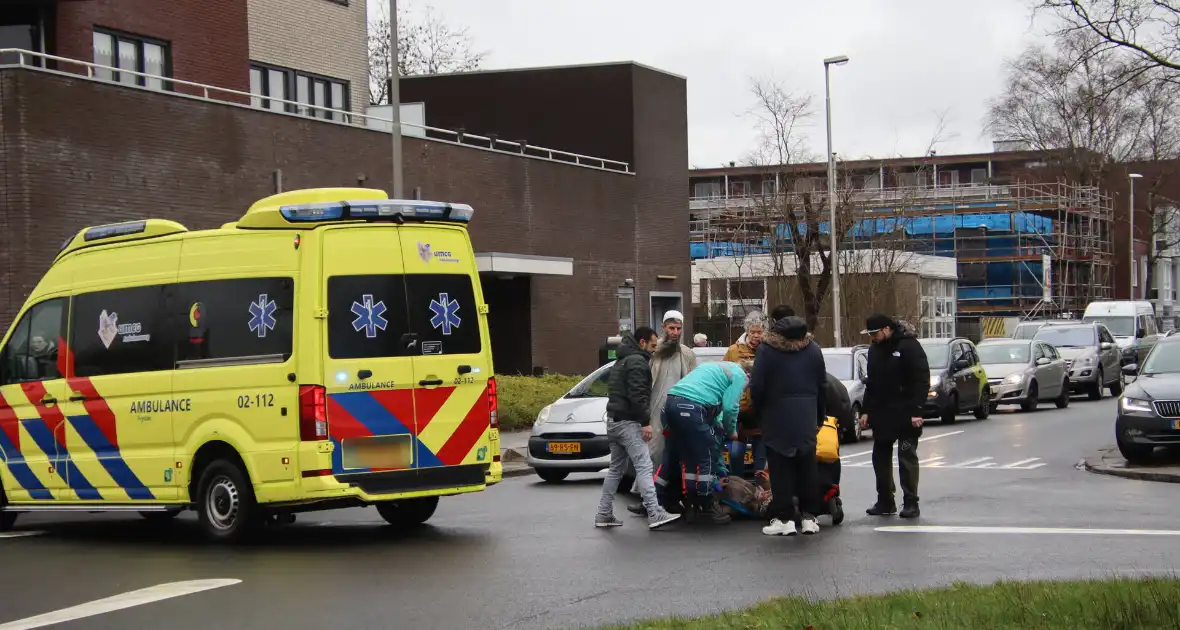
x=910 y=60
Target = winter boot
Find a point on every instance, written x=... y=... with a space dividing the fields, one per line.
x=910 y=511
x=881 y=508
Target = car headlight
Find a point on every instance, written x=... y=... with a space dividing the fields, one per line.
x=1014 y=379
x=935 y=381
x=1135 y=404
x=543 y=416
x=1086 y=361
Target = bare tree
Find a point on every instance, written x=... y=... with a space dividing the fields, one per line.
x=428 y=45
x=1149 y=30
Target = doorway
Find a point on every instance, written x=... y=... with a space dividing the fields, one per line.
x=662 y=302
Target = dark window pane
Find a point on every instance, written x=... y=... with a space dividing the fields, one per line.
x=443 y=314
x=120 y=332
x=31 y=353
x=366 y=316
x=227 y=319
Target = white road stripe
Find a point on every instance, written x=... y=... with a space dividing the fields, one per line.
x=20 y=534
x=970 y=462
x=921 y=441
x=927 y=461
x=1021 y=462
x=946 y=529
x=118 y=602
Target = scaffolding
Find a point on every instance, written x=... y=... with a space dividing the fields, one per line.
x=1000 y=235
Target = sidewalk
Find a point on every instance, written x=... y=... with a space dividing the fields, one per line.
x=513 y=450
x=1109 y=462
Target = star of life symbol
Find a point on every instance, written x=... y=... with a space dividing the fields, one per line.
x=262 y=315
x=446 y=313
x=369 y=316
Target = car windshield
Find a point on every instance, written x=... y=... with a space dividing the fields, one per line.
x=839 y=365
x=597 y=385
x=1163 y=359
x=937 y=354
x=1026 y=331
x=1119 y=326
x=1068 y=336
x=709 y=357
x=991 y=353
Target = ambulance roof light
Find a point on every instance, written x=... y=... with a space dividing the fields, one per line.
x=377 y=209
x=114 y=229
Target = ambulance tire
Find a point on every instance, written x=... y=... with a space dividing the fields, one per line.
x=408 y=512
x=226 y=509
x=7 y=519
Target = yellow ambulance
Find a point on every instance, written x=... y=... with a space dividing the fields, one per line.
x=329 y=349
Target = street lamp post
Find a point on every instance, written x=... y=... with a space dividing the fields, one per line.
x=395 y=118
x=828 y=63
x=1131 y=237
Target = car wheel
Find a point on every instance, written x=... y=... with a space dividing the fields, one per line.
x=226 y=509
x=408 y=512
x=1135 y=453
x=836 y=510
x=952 y=409
x=1063 y=398
x=856 y=434
x=1117 y=387
x=552 y=475
x=984 y=409
x=1033 y=399
x=7 y=519
x=1096 y=387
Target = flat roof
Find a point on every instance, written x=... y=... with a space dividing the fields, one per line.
x=545 y=69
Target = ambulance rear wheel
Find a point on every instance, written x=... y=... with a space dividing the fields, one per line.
x=408 y=512
x=226 y=508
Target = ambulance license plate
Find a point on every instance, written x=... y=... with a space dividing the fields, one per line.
x=1176 y=425
x=749 y=458
x=565 y=447
x=392 y=452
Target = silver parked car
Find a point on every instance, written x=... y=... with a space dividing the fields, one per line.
x=569 y=435
x=850 y=366
x=1024 y=372
x=1091 y=356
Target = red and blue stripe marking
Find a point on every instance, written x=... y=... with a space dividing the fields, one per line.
x=13 y=458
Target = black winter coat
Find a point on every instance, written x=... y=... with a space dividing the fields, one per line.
x=896 y=388
x=788 y=390
x=630 y=383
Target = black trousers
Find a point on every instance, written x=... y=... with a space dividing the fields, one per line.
x=790 y=477
x=907 y=468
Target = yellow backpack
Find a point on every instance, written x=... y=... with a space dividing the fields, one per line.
x=827 y=441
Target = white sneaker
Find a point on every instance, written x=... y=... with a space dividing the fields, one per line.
x=779 y=528
x=810 y=526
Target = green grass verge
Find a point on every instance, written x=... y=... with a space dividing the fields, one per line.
x=1116 y=603
x=521 y=398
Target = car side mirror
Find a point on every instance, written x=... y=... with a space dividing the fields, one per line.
x=1131 y=369
x=962 y=364
x=1042 y=361
x=1106 y=345
x=1139 y=334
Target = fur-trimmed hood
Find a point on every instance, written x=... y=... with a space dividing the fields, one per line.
x=779 y=342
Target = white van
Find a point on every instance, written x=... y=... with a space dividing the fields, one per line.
x=1132 y=322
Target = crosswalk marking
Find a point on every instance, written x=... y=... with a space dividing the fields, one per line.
x=924 y=439
x=978 y=463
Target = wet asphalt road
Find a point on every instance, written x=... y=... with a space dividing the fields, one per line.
x=524 y=553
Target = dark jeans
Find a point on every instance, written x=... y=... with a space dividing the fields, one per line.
x=907 y=465
x=791 y=477
x=691 y=445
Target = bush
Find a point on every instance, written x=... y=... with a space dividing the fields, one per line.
x=521 y=398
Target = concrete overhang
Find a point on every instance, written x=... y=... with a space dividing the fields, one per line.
x=524 y=264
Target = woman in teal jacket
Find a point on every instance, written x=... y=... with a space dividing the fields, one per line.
x=699 y=407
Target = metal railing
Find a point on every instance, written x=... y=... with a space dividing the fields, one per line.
x=28 y=59
x=947 y=194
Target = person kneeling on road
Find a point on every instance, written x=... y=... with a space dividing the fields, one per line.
x=628 y=429
x=694 y=404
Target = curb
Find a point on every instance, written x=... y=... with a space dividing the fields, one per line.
x=1096 y=463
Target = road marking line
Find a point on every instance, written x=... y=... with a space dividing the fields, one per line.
x=927 y=461
x=987 y=465
x=1021 y=462
x=118 y=602
x=20 y=534
x=921 y=441
x=970 y=462
x=946 y=529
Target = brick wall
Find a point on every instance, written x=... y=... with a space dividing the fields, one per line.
x=324 y=37
x=209 y=40
x=78 y=152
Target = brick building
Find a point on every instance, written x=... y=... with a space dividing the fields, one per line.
x=571 y=243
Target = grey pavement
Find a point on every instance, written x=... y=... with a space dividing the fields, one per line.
x=524 y=554
x=1164 y=466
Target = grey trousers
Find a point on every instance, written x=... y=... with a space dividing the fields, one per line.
x=626 y=444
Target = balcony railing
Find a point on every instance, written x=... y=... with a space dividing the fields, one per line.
x=864 y=196
x=188 y=89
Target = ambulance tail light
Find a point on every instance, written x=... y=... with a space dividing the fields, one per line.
x=313 y=413
x=493 y=405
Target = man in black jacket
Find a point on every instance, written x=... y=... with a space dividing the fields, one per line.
x=895 y=392
x=628 y=428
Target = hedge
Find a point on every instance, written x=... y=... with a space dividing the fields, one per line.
x=521 y=398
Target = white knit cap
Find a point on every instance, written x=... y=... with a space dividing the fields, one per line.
x=676 y=316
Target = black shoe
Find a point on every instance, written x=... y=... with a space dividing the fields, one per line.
x=882 y=509
x=637 y=510
x=910 y=511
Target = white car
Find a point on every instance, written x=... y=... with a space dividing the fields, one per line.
x=850 y=366
x=569 y=435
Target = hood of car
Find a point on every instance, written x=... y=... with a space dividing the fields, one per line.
x=1155 y=387
x=575 y=410
x=1000 y=370
x=1075 y=353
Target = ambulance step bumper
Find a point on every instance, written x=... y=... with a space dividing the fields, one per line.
x=93 y=508
x=437 y=478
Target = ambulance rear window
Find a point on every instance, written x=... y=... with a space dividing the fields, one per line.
x=401 y=316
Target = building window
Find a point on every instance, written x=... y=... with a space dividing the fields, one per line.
x=706 y=190
x=273 y=82
x=978 y=176
x=137 y=54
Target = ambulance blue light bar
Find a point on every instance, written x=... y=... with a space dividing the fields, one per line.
x=379 y=209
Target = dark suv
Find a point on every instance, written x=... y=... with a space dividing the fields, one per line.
x=958 y=383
